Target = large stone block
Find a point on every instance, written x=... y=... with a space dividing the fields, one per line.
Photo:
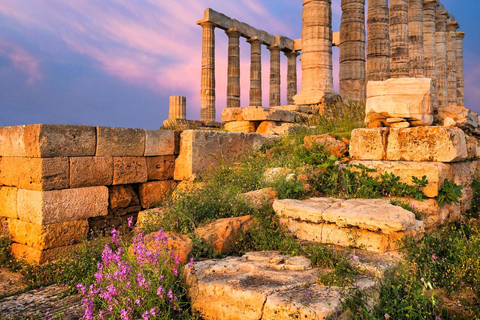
x=128 y=170
x=159 y=142
x=8 y=202
x=427 y=144
x=161 y=167
x=50 y=207
x=464 y=118
x=35 y=173
x=268 y=114
x=120 y=142
x=407 y=98
x=122 y=197
x=50 y=236
x=200 y=150
x=91 y=171
x=47 y=141
x=241 y=126
x=369 y=144
x=22 y=252
x=436 y=172
x=153 y=192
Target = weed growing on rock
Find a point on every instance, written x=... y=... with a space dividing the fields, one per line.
x=449 y=192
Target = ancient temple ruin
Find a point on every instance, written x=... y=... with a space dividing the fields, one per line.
x=403 y=39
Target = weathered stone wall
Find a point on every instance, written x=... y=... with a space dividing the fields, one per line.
x=57 y=182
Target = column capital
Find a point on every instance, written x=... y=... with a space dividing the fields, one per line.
x=291 y=53
x=205 y=23
x=274 y=47
x=233 y=33
x=441 y=15
x=461 y=35
x=452 y=26
x=430 y=4
x=254 y=39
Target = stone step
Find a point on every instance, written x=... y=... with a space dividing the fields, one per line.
x=258 y=114
x=372 y=224
x=262 y=285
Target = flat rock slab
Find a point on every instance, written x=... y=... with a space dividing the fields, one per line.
x=11 y=282
x=42 y=303
x=258 y=114
x=262 y=285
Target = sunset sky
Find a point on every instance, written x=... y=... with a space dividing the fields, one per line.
x=116 y=62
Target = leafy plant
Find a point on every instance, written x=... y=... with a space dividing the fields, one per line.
x=449 y=192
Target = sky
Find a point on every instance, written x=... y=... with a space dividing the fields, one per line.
x=116 y=62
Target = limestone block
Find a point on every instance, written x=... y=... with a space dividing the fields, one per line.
x=309 y=210
x=178 y=244
x=358 y=238
x=159 y=142
x=122 y=197
x=369 y=144
x=303 y=109
x=50 y=207
x=128 y=170
x=266 y=127
x=91 y=171
x=259 y=198
x=8 y=202
x=47 y=141
x=120 y=142
x=22 y=252
x=336 y=147
x=47 y=236
x=35 y=173
x=222 y=234
x=427 y=144
x=302 y=230
x=407 y=98
x=268 y=114
x=436 y=172
x=200 y=150
x=153 y=192
x=473 y=148
x=232 y=114
x=464 y=118
x=433 y=215
x=241 y=126
x=161 y=167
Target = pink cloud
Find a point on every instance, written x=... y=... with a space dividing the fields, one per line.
x=22 y=60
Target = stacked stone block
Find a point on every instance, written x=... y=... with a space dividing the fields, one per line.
x=437 y=152
x=59 y=181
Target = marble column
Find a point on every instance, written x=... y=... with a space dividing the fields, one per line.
x=207 y=93
x=255 y=72
x=352 y=50
x=291 y=75
x=429 y=45
x=177 y=108
x=233 y=84
x=317 y=74
x=378 y=41
x=460 y=74
x=274 y=76
x=399 y=56
x=452 y=27
x=415 y=38
x=441 y=59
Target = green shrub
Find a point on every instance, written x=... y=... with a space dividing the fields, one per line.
x=449 y=192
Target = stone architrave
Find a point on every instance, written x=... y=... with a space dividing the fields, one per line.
x=460 y=73
x=399 y=55
x=378 y=41
x=441 y=59
x=233 y=86
x=274 y=76
x=352 y=50
x=255 y=72
x=177 y=108
x=429 y=44
x=452 y=27
x=291 y=76
x=415 y=38
x=317 y=74
x=207 y=92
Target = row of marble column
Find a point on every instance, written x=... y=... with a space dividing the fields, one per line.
x=411 y=38
x=416 y=38
x=207 y=95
